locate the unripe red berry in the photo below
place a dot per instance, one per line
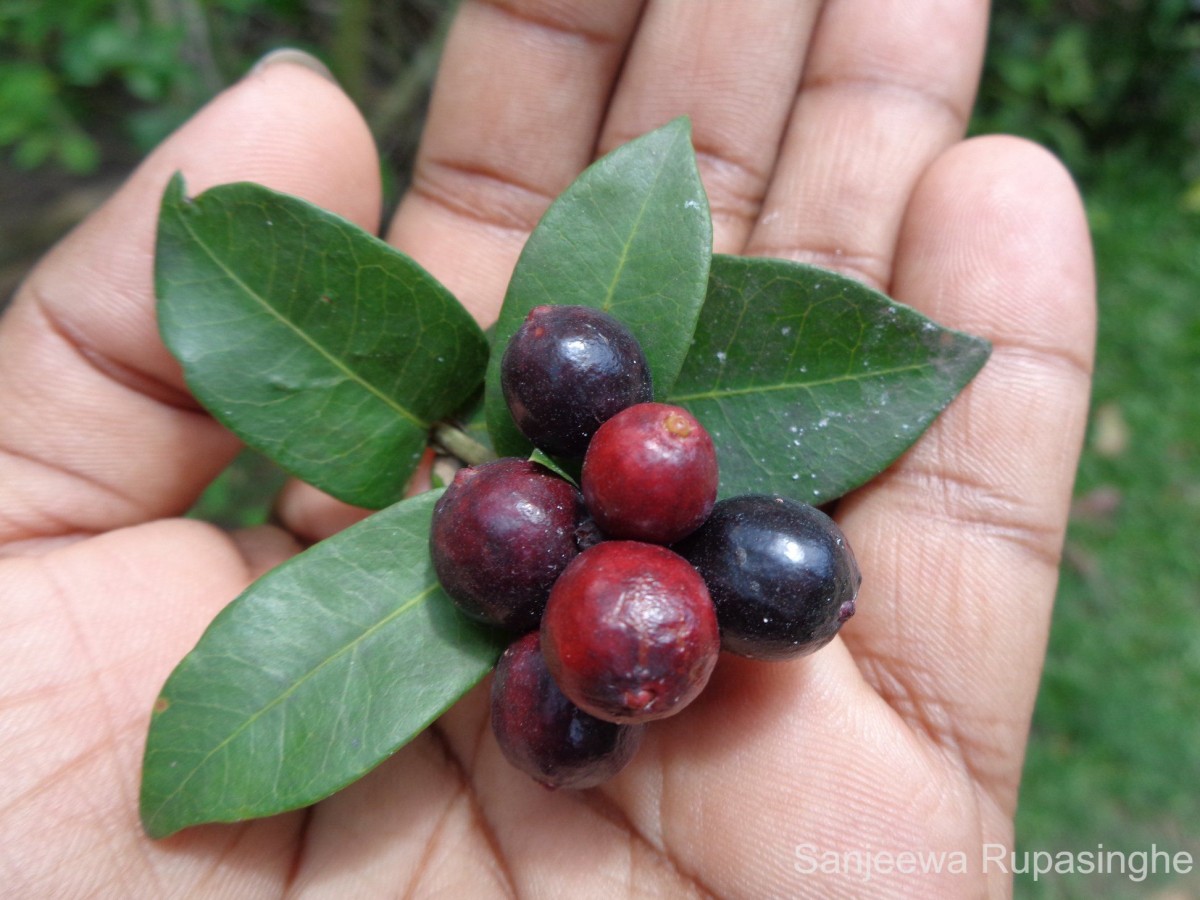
(630, 633)
(650, 474)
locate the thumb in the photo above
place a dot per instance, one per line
(99, 430)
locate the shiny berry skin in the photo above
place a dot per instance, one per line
(650, 474)
(630, 633)
(544, 734)
(500, 536)
(567, 370)
(781, 575)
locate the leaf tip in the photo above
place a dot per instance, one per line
(681, 123)
(152, 829)
(983, 347)
(974, 351)
(555, 466)
(154, 824)
(175, 193)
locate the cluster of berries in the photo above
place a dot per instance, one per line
(623, 591)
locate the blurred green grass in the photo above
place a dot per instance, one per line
(1114, 757)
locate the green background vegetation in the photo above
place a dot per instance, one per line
(1112, 86)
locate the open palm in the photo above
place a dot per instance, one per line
(829, 133)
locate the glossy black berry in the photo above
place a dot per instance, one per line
(630, 633)
(544, 734)
(566, 371)
(501, 534)
(650, 474)
(781, 575)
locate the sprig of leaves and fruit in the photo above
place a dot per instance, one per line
(344, 361)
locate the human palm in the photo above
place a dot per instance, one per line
(828, 133)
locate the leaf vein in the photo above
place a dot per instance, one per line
(351, 646)
(390, 402)
(609, 294)
(714, 394)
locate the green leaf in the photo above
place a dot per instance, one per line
(631, 236)
(317, 673)
(548, 462)
(317, 343)
(811, 383)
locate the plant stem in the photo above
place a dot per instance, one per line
(399, 102)
(461, 445)
(348, 51)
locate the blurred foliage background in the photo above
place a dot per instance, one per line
(1112, 86)
(87, 82)
(1098, 81)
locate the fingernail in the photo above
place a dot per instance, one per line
(292, 56)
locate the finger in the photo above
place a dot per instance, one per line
(520, 94)
(90, 632)
(887, 86)
(514, 118)
(959, 541)
(313, 515)
(431, 842)
(99, 430)
(710, 60)
(263, 547)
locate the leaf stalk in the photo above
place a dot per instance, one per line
(461, 445)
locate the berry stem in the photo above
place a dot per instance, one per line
(461, 445)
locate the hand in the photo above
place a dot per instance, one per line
(828, 133)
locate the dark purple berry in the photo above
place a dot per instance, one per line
(629, 633)
(781, 575)
(501, 534)
(650, 474)
(566, 371)
(544, 734)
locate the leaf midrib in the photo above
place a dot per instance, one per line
(797, 385)
(311, 673)
(636, 228)
(333, 360)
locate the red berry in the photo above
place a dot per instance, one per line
(629, 632)
(650, 474)
(500, 536)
